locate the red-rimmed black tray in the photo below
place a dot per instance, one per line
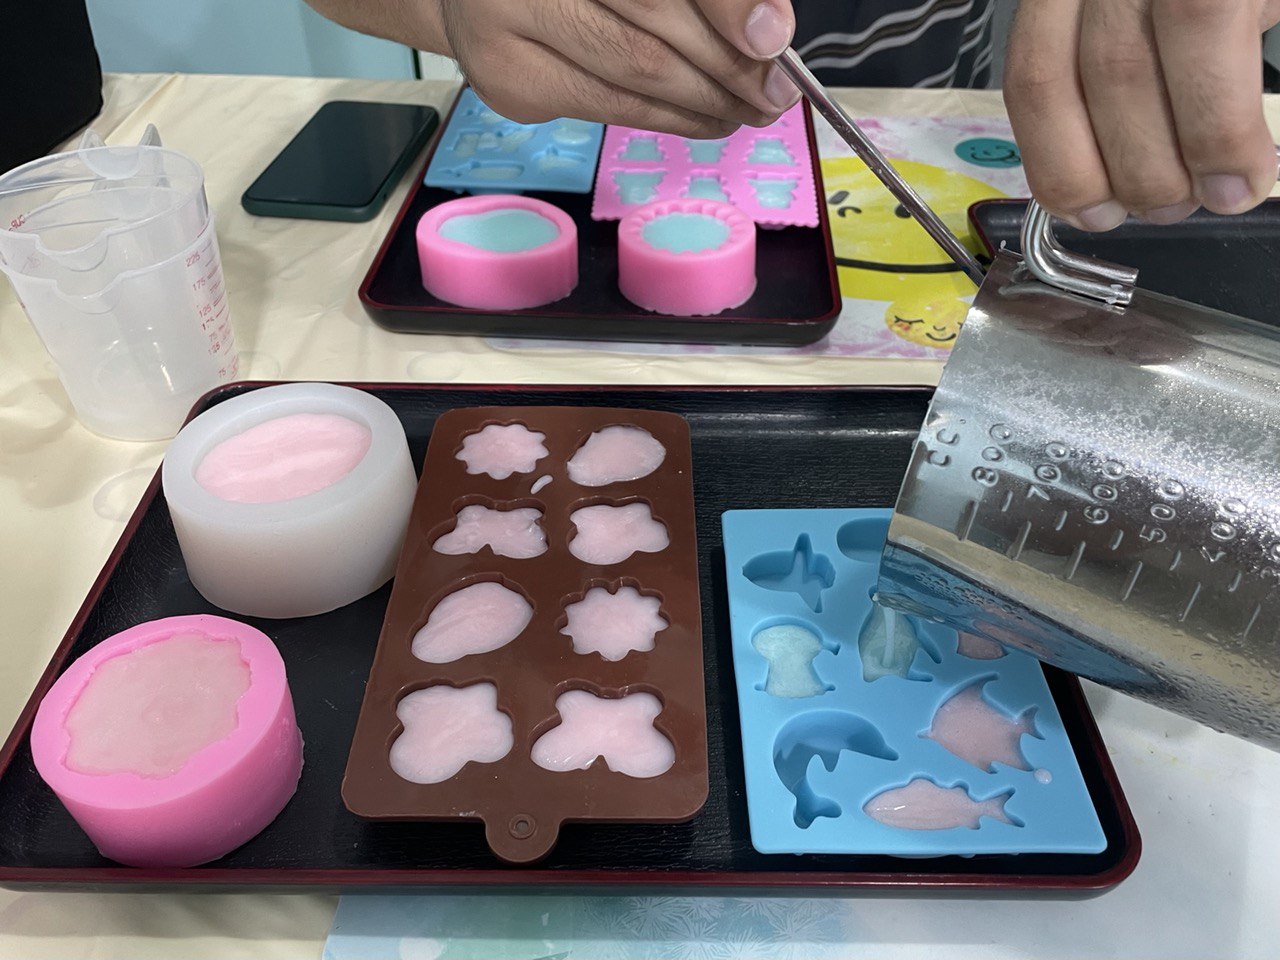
(751, 448)
(796, 302)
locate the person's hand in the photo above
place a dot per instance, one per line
(696, 68)
(1149, 107)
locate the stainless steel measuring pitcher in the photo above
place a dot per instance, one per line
(1098, 477)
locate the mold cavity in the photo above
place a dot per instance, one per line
(487, 116)
(609, 534)
(500, 231)
(773, 193)
(515, 533)
(685, 232)
(149, 711)
(799, 571)
(642, 148)
(975, 647)
(615, 454)
(620, 730)
(508, 142)
(923, 805)
(978, 733)
(706, 188)
(888, 645)
(445, 728)
(613, 623)
(541, 482)
(824, 734)
(476, 619)
(706, 151)
(500, 450)
(466, 145)
(485, 170)
(572, 133)
(790, 650)
(284, 458)
(637, 188)
(771, 150)
(553, 161)
(862, 540)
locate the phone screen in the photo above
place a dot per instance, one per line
(344, 156)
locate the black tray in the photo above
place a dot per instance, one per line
(751, 448)
(797, 299)
(1227, 263)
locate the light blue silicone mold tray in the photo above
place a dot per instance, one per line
(482, 152)
(843, 733)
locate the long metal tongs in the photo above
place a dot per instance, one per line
(1044, 256)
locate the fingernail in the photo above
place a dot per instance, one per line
(1174, 213)
(1225, 193)
(768, 31)
(1102, 217)
(779, 89)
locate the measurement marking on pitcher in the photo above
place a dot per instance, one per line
(1186, 611)
(1117, 539)
(1235, 584)
(1008, 500)
(1015, 551)
(967, 520)
(1062, 521)
(1132, 582)
(1074, 563)
(1244, 634)
(1177, 559)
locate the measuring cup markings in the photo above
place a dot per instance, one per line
(1000, 432)
(1163, 512)
(948, 437)
(1048, 473)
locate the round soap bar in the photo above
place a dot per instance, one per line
(687, 257)
(164, 766)
(303, 502)
(498, 252)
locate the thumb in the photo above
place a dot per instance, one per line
(761, 29)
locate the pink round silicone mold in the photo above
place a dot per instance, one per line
(690, 283)
(469, 276)
(222, 796)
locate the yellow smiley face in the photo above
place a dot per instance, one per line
(881, 252)
(929, 323)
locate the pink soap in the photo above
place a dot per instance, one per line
(500, 450)
(445, 728)
(607, 534)
(687, 257)
(284, 458)
(615, 454)
(978, 733)
(923, 805)
(614, 624)
(619, 730)
(498, 252)
(475, 619)
(173, 742)
(514, 533)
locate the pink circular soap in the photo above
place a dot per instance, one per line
(687, 257)
(173, 742)
(498, 252)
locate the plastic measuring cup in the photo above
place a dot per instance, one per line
(112, 253)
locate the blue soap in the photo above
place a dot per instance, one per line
(834, 707)
(685, 232)
(500, 231)
(481, 152)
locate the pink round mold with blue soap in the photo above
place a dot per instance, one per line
(687, 257)
(498, 252)
(150, 785)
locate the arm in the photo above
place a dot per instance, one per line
(697, 68)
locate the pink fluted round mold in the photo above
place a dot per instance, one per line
(687, 284)
(225, 794)
(468, 276)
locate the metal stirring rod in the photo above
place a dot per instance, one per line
(876, 162)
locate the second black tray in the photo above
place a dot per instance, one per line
(796, 302)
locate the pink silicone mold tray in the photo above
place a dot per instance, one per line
(766, 173)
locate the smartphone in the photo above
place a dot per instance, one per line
(343, 163)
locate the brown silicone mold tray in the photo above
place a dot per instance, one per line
(521, 803)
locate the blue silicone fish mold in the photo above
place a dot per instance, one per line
(482, 152)
(846, 724)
